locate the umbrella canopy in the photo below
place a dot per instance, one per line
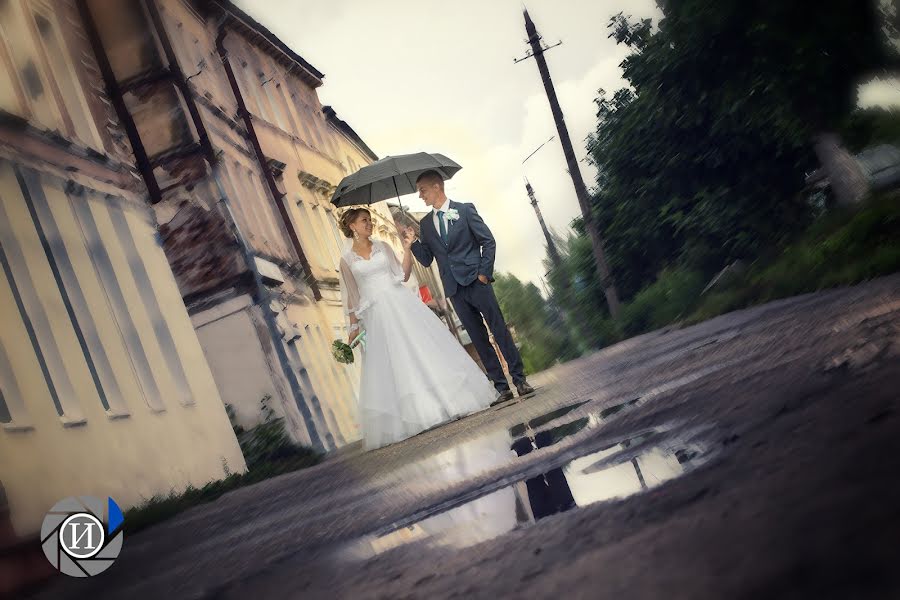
(390, 177)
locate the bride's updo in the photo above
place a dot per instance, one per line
(349, 217)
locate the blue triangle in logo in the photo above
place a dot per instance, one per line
(115, 516)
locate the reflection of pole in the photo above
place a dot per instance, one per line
(640, 476)
(584, 202)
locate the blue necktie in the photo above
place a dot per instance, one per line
(440, 215)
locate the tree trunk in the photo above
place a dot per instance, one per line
(847, 179)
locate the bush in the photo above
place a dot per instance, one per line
(267, 442)
(842, 248)
(662, 302)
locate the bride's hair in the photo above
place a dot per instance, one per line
(348, 217)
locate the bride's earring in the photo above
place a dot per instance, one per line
(355, 235)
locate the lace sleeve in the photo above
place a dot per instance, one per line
(393, 263)
(349, 293)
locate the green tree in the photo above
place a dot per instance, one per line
(542, 341)
(701, 159)
(576, 290)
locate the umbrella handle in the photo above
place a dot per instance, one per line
(399, 202)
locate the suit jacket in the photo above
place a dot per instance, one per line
(468, 253)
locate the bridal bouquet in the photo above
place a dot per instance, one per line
(343, 352)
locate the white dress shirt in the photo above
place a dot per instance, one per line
(437, 225)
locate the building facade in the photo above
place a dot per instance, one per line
(240, 160)
(104, 386)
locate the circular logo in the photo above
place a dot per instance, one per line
(82, 536)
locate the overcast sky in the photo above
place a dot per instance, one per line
(439, 76)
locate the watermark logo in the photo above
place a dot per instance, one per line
(82, 536)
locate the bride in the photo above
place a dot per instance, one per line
(415, 375)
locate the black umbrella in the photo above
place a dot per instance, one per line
(390, 177)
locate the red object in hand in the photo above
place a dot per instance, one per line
(425, 293)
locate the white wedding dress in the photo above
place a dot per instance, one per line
(415, 375)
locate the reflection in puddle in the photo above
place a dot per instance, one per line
(475, 457)
(628, 467)
(544, 419)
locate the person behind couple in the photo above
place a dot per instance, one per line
(415, 375)
(455, 235)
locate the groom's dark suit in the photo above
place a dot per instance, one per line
(468, 252)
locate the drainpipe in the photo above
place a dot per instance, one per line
(263, 300)
(261, 159)
(264, 296)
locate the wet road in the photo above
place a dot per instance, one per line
(754, 455)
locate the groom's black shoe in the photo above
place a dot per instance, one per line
(505, 396)
(524, 389)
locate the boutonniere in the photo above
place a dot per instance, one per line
(452, 214)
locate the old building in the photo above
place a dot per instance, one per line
(241, 159)
(104, 387)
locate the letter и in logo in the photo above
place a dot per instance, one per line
(82, 536)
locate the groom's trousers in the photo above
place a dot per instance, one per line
(473, 301)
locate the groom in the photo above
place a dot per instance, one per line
(454, 234)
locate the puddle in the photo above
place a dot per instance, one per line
(497, 505)
(475, 457)
(630, 466)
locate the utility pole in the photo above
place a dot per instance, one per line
(551, 245)
(606, 280)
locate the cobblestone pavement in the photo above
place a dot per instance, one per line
(755, 455)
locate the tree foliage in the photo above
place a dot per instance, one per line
(701, 159)
(542, 340)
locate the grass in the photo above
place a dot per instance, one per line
(844, 248)
(162, 507)
(662, 302)
(268, 452)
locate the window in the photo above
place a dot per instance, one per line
(251, 91)
(12, 408)
(314, 124)
(38, 80)
(10, 94)
(315, 240)
(26, 71)
(267, 77)
(268, 84)
(63, 73)
(335, 231)
(326, 225)
(30, 293)
(299, 107)
(281, 90)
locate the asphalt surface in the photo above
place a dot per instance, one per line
(756, 455)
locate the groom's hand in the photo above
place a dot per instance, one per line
(483, 279)
(409, 236)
